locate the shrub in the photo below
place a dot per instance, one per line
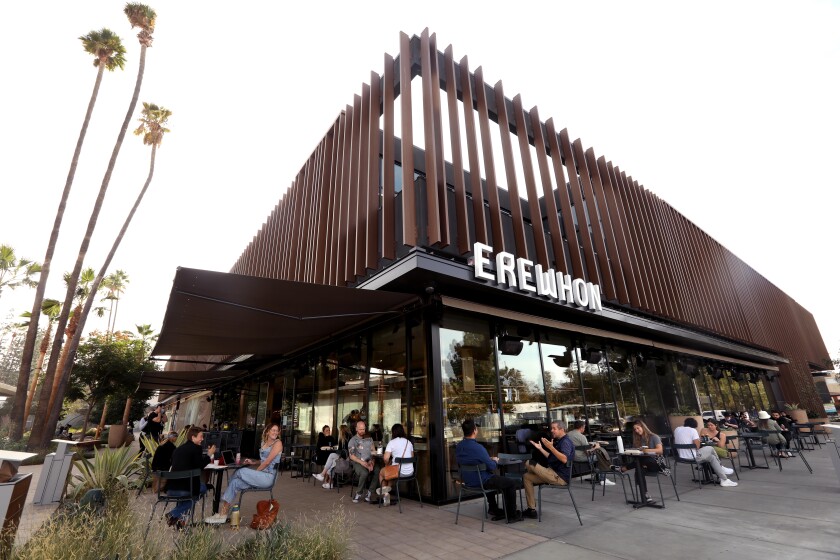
(109, 470)
(87, 535)
(298, 540)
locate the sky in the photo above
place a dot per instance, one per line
(726, 110)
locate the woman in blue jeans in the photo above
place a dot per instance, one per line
(261, 477)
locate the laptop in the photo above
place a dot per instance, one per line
(228, 457)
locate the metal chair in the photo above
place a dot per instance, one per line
(269, 489)
(406, 478)
(695, 464)
(658, 474)
(234, 441)
(164, 498)
(567, 487)
(212, 438)
(474, 490)
(147, 471)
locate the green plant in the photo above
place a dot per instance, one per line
(86, 535)
(792, 406)
(298, 540)
(685, 410)
(109, 470)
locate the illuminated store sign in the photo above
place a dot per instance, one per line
(529, 277)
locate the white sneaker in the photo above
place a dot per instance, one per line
(727, 471)
(367, 496)
(607, 482)
(381, 491)
(358, 497)
(216, 519)
(728, 482)
(327, 486)
(319, 477)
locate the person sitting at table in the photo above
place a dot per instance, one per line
(261, 477)
(786, 424)
(715, 438)
(399, 447)
(687, 434)
(326, 475)
(325, 439)
(775, 436)
(186, 457)
(360, 448)
(601, 456)
(376, 433)
(646, 440)
(560, 453)
(162, 459)
(469, 453)
(747, 425)
(730, 420)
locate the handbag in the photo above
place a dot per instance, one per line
(662, 464)
(342, 466)
(392, 472)
(266, 514)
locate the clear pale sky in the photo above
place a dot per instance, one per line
(726, 110)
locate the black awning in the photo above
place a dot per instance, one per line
(186, 381)
(217, 313)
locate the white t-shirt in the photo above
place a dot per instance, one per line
(396, 447)
(684, 435)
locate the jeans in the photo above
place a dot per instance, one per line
(181, 508)
(248, 478)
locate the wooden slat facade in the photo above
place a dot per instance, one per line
(352, 209)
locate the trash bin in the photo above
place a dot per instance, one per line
(12, 499)
(53, 480)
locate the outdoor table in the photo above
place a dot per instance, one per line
(640, 503)
(505, 462)
(217, 484)
(749, 438)
(304, 451)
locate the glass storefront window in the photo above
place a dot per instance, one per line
(327, 376)
(468, 382)
(523, 390)
(351, 361)
(561, 378)
(387, 383)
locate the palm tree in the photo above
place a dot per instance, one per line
(114, 284)
(139, 15)
(51, 308)
(147, 335)
(15, 272)
(152, 127)
(109, 54)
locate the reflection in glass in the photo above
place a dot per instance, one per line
(352, 372)
(523, 392)
(561, 378)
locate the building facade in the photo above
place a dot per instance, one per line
(494, 268)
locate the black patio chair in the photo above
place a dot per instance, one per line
(567, 487)
(697, 470)
(164, 498)
(475, 490)
(406, 478)
(269, 489)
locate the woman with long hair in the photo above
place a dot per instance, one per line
(397, 448)
(260, 477)
(326, 474)
(717, 438)
(774, 435)
(650, 444)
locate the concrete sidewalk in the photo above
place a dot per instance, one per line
(771, 514)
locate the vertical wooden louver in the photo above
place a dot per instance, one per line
(352, 208)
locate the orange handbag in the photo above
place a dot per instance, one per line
(267, 511)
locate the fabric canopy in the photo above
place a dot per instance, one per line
(186, 381)
(216, 313)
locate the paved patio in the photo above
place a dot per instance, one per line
(771, 514)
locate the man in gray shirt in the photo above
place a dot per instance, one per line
(360, 448)
(601, 455)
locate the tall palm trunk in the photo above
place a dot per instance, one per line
(42, 353)
(69, 332)
(64, 373)
(18, 418)
(48, 415)
(101, 425)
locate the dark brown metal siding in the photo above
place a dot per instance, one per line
(583, 215)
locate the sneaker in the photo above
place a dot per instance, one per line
(728, 482)
(530, 513)
(789, 454)
(356, 498)
(367, 496)
(216, 519)
(319, 477)
(648, 499)
(607, 482)
(327, 486)
(170, 520)
(727, 471)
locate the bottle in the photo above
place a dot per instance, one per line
(234, 517)
(238, 457)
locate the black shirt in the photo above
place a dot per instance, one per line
(185, 458)
(163, 456)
